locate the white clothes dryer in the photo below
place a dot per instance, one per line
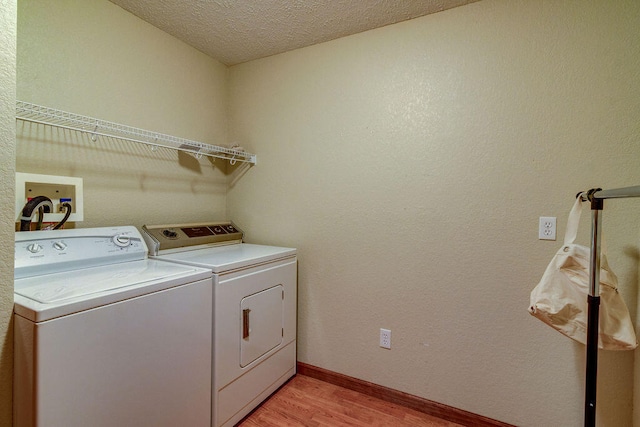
(255, 300)
(105, 336)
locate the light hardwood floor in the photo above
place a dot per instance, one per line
(309, 402)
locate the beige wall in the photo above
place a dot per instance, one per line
(410, 165)
(7, 172)
(95, 59)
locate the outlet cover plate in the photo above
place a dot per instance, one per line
(547, 228)
(385, 338)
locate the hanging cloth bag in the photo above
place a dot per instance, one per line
(560, 299)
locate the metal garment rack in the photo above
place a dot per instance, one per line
(597, 196)
(33, 113)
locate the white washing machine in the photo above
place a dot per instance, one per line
(105, 336)
(255, 300)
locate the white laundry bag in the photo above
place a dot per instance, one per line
(560, 299)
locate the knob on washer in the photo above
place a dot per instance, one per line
(59, 245)
(122, 240)
(34, 248)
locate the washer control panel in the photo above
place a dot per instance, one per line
(160, 237)
(44, 252)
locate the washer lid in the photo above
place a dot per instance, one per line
(230, 257)
(53, 295)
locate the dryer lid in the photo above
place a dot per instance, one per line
(222, 259)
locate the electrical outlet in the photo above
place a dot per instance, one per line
(385, 338)
(547, 228)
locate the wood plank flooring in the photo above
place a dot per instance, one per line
(309, 402)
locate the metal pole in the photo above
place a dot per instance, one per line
(617, 193)
(597, 196)
(593, 301)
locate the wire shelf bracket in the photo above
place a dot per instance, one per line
(33, 113)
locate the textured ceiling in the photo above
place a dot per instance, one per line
(236, 31)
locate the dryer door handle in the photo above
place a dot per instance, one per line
(245, 323)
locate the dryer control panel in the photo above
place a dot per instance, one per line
(44, 252)
(161, 237)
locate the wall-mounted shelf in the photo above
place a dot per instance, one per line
(95, 127)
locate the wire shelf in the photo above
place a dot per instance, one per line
(95, 127)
